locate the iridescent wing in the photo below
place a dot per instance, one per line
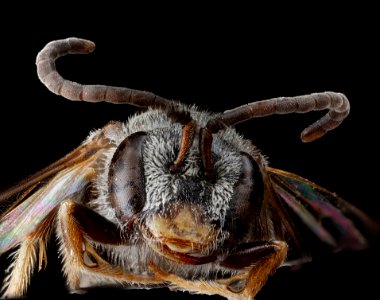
(333, 221)
(42, 192)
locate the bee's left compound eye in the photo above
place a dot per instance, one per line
(126, 182)
(246, 204)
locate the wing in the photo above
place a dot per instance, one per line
(42, 192)
(331, 220)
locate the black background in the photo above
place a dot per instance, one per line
(217, 58)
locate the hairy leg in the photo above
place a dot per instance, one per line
(79, 228)
(32, 248)
(242, 286)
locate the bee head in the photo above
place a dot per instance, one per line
(183, 204)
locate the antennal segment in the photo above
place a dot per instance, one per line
(49, 76)
(336, 103)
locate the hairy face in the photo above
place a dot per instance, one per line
(184, 210)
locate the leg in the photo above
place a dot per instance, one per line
(260, 272)
(31, 234)
(24, 260)
(242, 286)
(78, 228)
(194, 286)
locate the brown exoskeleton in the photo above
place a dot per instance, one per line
(173, 197)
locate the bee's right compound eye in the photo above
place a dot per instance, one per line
(126, 181)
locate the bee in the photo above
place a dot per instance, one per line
(174, 197)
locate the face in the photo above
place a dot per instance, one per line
(183, 215)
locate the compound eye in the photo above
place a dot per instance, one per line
(126, 181)
(246, 203)
(250, 187)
